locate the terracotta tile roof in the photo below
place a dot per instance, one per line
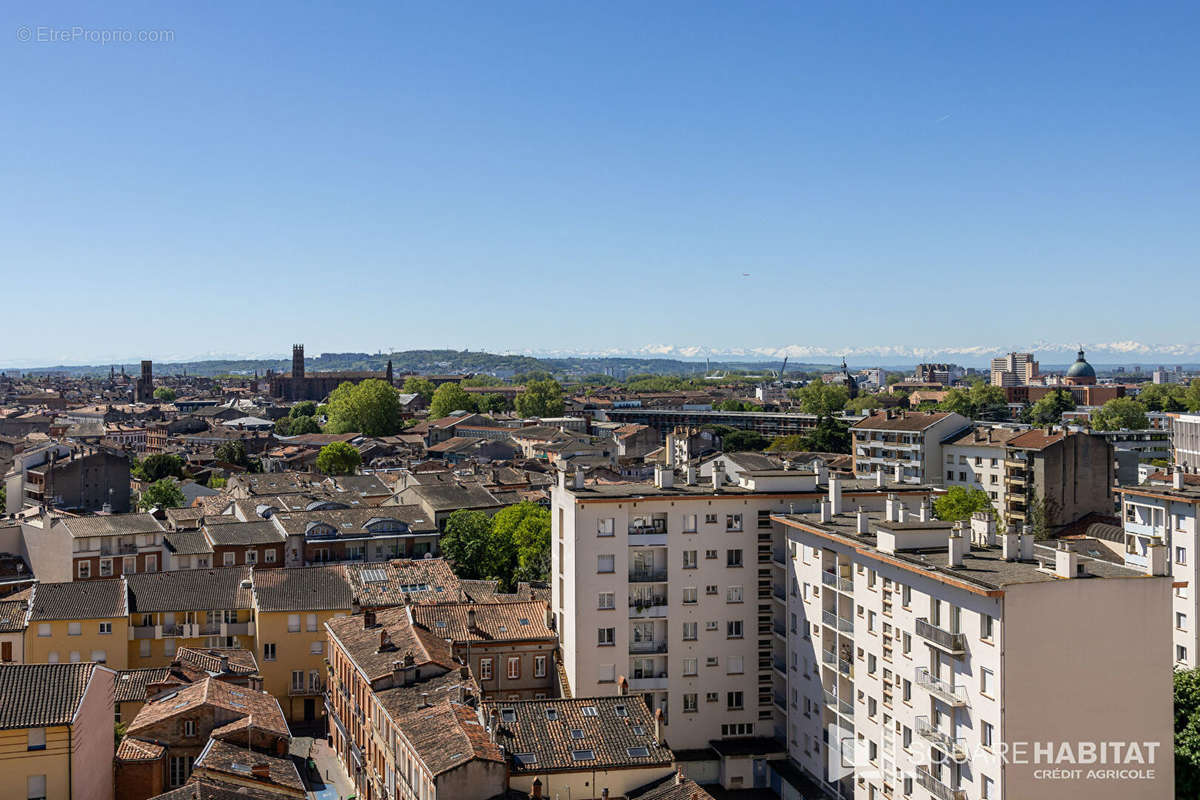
(12, 615)
(403, 580)
(579, 734)
(352, 521)
(448, 735)
(240, 702)
(210, 659)
(319, 588)
(131, 683)
(907, 421)
(41, 695)
(102, 599)
(112, 525)
(134, 749)
(243, 533)
(456, 686)
(479, 591)
(223, 758)
(494, 622)
(983, 436)
(1036, 439)
(209, 789)
(393, 636)
(672, 787)
(190, 590)
(187, 543)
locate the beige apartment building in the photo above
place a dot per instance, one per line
(926, 659)
(905, 445)
(670, 586)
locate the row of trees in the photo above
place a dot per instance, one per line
(512, 546)
(541, 398)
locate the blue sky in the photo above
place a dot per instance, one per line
(598, 177)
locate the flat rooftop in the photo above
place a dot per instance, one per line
(703, 488)
(984, 567)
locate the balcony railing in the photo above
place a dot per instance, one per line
(838, 705)
(316, 686)
(950, 693)
(647, 530)
(955, 748)
(172, 630)
(647, 602)
(779, 594)
(839, 623)
(780, 666)
(832, 580)
(647, 575)
(648, 647)
(955, 643)
(936, 787)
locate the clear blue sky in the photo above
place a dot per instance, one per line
(593, 176)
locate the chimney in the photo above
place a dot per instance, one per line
(825, 512)
(899, 476)
(835, 494)
(691, 475)
(562, 479)
(492, 723)
(664, 477)
(718, 477)
(821, 470)
(368, 619)
(224, 663)
(889, 507)
(1158, 564)
(604, 793)
(679, 776)
(261, 771)
(1066, 562)
(1177, 478)
(1009, 548)
(425, 700)
(957, 545)
(536, 794)
(409, 659)
(1027, 544)
(983, 528)
(861, 527)
(901, 513)
(658, 732)
(578, 477)
(670, 451)
(923, 511)
(385, 641)
(622, 686)
(879, 478)
(470, 619)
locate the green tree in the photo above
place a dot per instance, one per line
(787, 444)
(743, 441)
(829, 435)
(283, 426)
(338, 458)
(448, 398)
(466, 541)
(164, 394)
(216, 481)
(1041, 512)
(821, 398)
(958, 401)
(233, 452)
(987, 401)
(163, 493)
(493, 403)
(371, 407)
(1191, 397)
(421, 386)
(303, 425)
(530, 533)
(305, 408)
(959, 503)
(864, 402)
(159, 466)
(541, 399)
(1120, 413)
(1187, 733)
(1050, 408)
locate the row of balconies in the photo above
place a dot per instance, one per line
(832, 580)
(837, 623)
(954, 643)
(190, 630)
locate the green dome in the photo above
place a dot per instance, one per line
(1081, 368)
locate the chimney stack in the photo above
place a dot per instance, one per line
(861, 526)
(718, 477)
(1010, 546)
(1177, 478)
(385, 641)
(821, 470)
(879, 478)
(691, 475)
(470, 619)
(669, 451)
(658, 725)
(369, 619)
(536, 794)
(224, 663)
(261, 771)
(578, 477)
(957, 545)
(923, 511)
(1066, 562)
(901, 513)
(1158, 564)
(622, 686)
(824, 507)
(899, 473)
(1027, 544)
(889, 507)
(835, 494)
(664, 477)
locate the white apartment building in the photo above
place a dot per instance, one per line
(1185, 442)
(1014, 369)
(974, 458)
(932, 658)
(676, 586)
(1165, 516)
(907, 445)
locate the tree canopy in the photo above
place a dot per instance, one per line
(541, 399)
(828, 436)
(421, 386)
(296, 426)
(821, 398)
(527, 526)
(492, 403)
(305, 408)
(791, 443)
(338, 458)
(959, 503)
(448, 398)
(512, 546)
(733, 404)
(233, 452)
(742, 441)
(1187, 733)
(1120, 413)
(163, 493)
(158, 466)
(164, 394)
(1050, 408)
(371, 407)
(865, 402)
(980, 401)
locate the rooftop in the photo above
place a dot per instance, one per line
(494, 622)
(403, 580)
(190, 590)
(112, 525)
(103, 599)
(318, 588)
(42, 695)
(377, 648)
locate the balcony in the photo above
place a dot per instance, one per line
(648, 647)
(127, 549)
(779, 666)
(779, 557)
(779, 630)
(955, 748)
(647, 607)
(832, 580)
(648, 683)
(778, 593)
(936, 787)
(838, 705)
(237, 629)
(953, 643)
(648, 535)
(780, 701)
(171, 630)
(143, 632)
(210, 629)
(951, 694)
(647, 576)
(314, 687)
(840, 664)
(838, 623)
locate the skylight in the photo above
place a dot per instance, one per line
(620, 711)
(590, 711)
(576, 733)
(508, 715)
(583, 755)
(525, 759)
(638, 752)
(551, 714)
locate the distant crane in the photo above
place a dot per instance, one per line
(783, 368)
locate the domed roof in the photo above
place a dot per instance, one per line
(1081, 368)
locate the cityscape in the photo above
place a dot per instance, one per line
(764, 414)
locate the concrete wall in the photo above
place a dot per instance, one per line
(92, 771)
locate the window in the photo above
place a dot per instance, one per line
(1180, 653)
(606, 527)
(711, 697)
(106, 568)
(709, 589)
(690, 703)
(689, 523)
(689, 559)
(986, 624)
(74, 628)
(315, 648)
(485, 669)
(689, 666)
(35, 787)
(711, 625)
(986, 679)
(738, 729)
(733, 522)
(987, 735)
(689, 595)
(734, 665)
(733, 558)
(733, 629)
(539, 666)
(189, 727)
(293, 623)
(228, 558)
(52, 657)
(144, 648)
(85, 569)
(989, 788)
(105, 628)
(36, 739)
(606, 600)
(906, 596)
(906, 643)
(1180, 555)
(711, 554)
(269, 651)
(514, 668)
(43, 629)
(606, 637)
(606, 563)
(269, 555)
(310, 622)
(99, 656)
(733, 701)
(75, 658)
(180, 769)
(690, 631)
(251, 556)
(733, 594)
(710, 519)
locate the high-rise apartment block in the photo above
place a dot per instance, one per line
(1014, 369)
